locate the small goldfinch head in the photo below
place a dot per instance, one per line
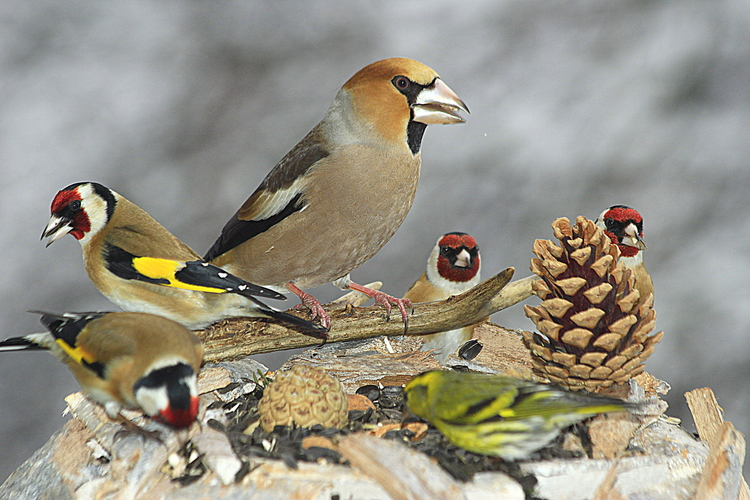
(169, 393)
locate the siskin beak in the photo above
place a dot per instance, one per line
(439, 104)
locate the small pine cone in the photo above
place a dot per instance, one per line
(593, 333)
(304, 396)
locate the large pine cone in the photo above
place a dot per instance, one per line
(304, 396)
(593, 334)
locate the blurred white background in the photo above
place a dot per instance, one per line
(183, 107)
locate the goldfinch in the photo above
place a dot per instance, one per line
(498, 415)
(452, 268)
(624, 226)
(140, 266)
(340, 194)
(121, 359)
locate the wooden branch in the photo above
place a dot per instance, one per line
(240, 337)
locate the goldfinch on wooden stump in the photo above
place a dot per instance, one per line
(452, 268)
(121, 359)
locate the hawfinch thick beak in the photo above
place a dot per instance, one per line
(463, 259)
(438, 104)
(57, 227)
(634, 239)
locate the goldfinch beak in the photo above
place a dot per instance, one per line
(463, 259)
(634, 239)
(57, 227)
(438, 104)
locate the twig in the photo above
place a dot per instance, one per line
(240, 337)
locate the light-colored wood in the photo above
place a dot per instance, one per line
(607, 490)
(240, 337)
(403, 473)
(707, 413)
(722, 438)
(716, 481)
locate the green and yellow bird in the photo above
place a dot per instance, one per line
(499, 415)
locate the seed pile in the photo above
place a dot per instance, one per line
(389, 419)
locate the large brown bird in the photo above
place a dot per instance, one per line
(340, 194)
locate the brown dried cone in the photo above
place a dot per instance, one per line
(304, 396)
(592, 333)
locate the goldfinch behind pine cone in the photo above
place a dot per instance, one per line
(624, 226)
(452, 269)
(140, 266)
(497, 415)
(340, 194)
(135, 360)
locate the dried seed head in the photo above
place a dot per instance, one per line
(304, 396)
(591, 335)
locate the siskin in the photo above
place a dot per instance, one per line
(498, 415)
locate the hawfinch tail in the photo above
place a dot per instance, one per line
(624, 226)
(340, 194)
(133, 360)
(452, 269)
(140, 266)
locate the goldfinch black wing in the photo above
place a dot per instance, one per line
(66, 329)
(194, 275)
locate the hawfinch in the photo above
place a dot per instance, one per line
(123, 359)
(452, 269)
(624, 226)
(140, 266)
(340, 194)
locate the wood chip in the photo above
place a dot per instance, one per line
(359, 402)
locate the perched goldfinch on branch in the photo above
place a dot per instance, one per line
(497, 415)
(133, 360)
(140, 266)
(340, 194)
(452, 268)
(624, 226)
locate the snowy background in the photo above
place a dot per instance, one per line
(184, 106)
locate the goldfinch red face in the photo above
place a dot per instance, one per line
(169, 393)
(81, 210)
(624, 226)
(458, 257)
